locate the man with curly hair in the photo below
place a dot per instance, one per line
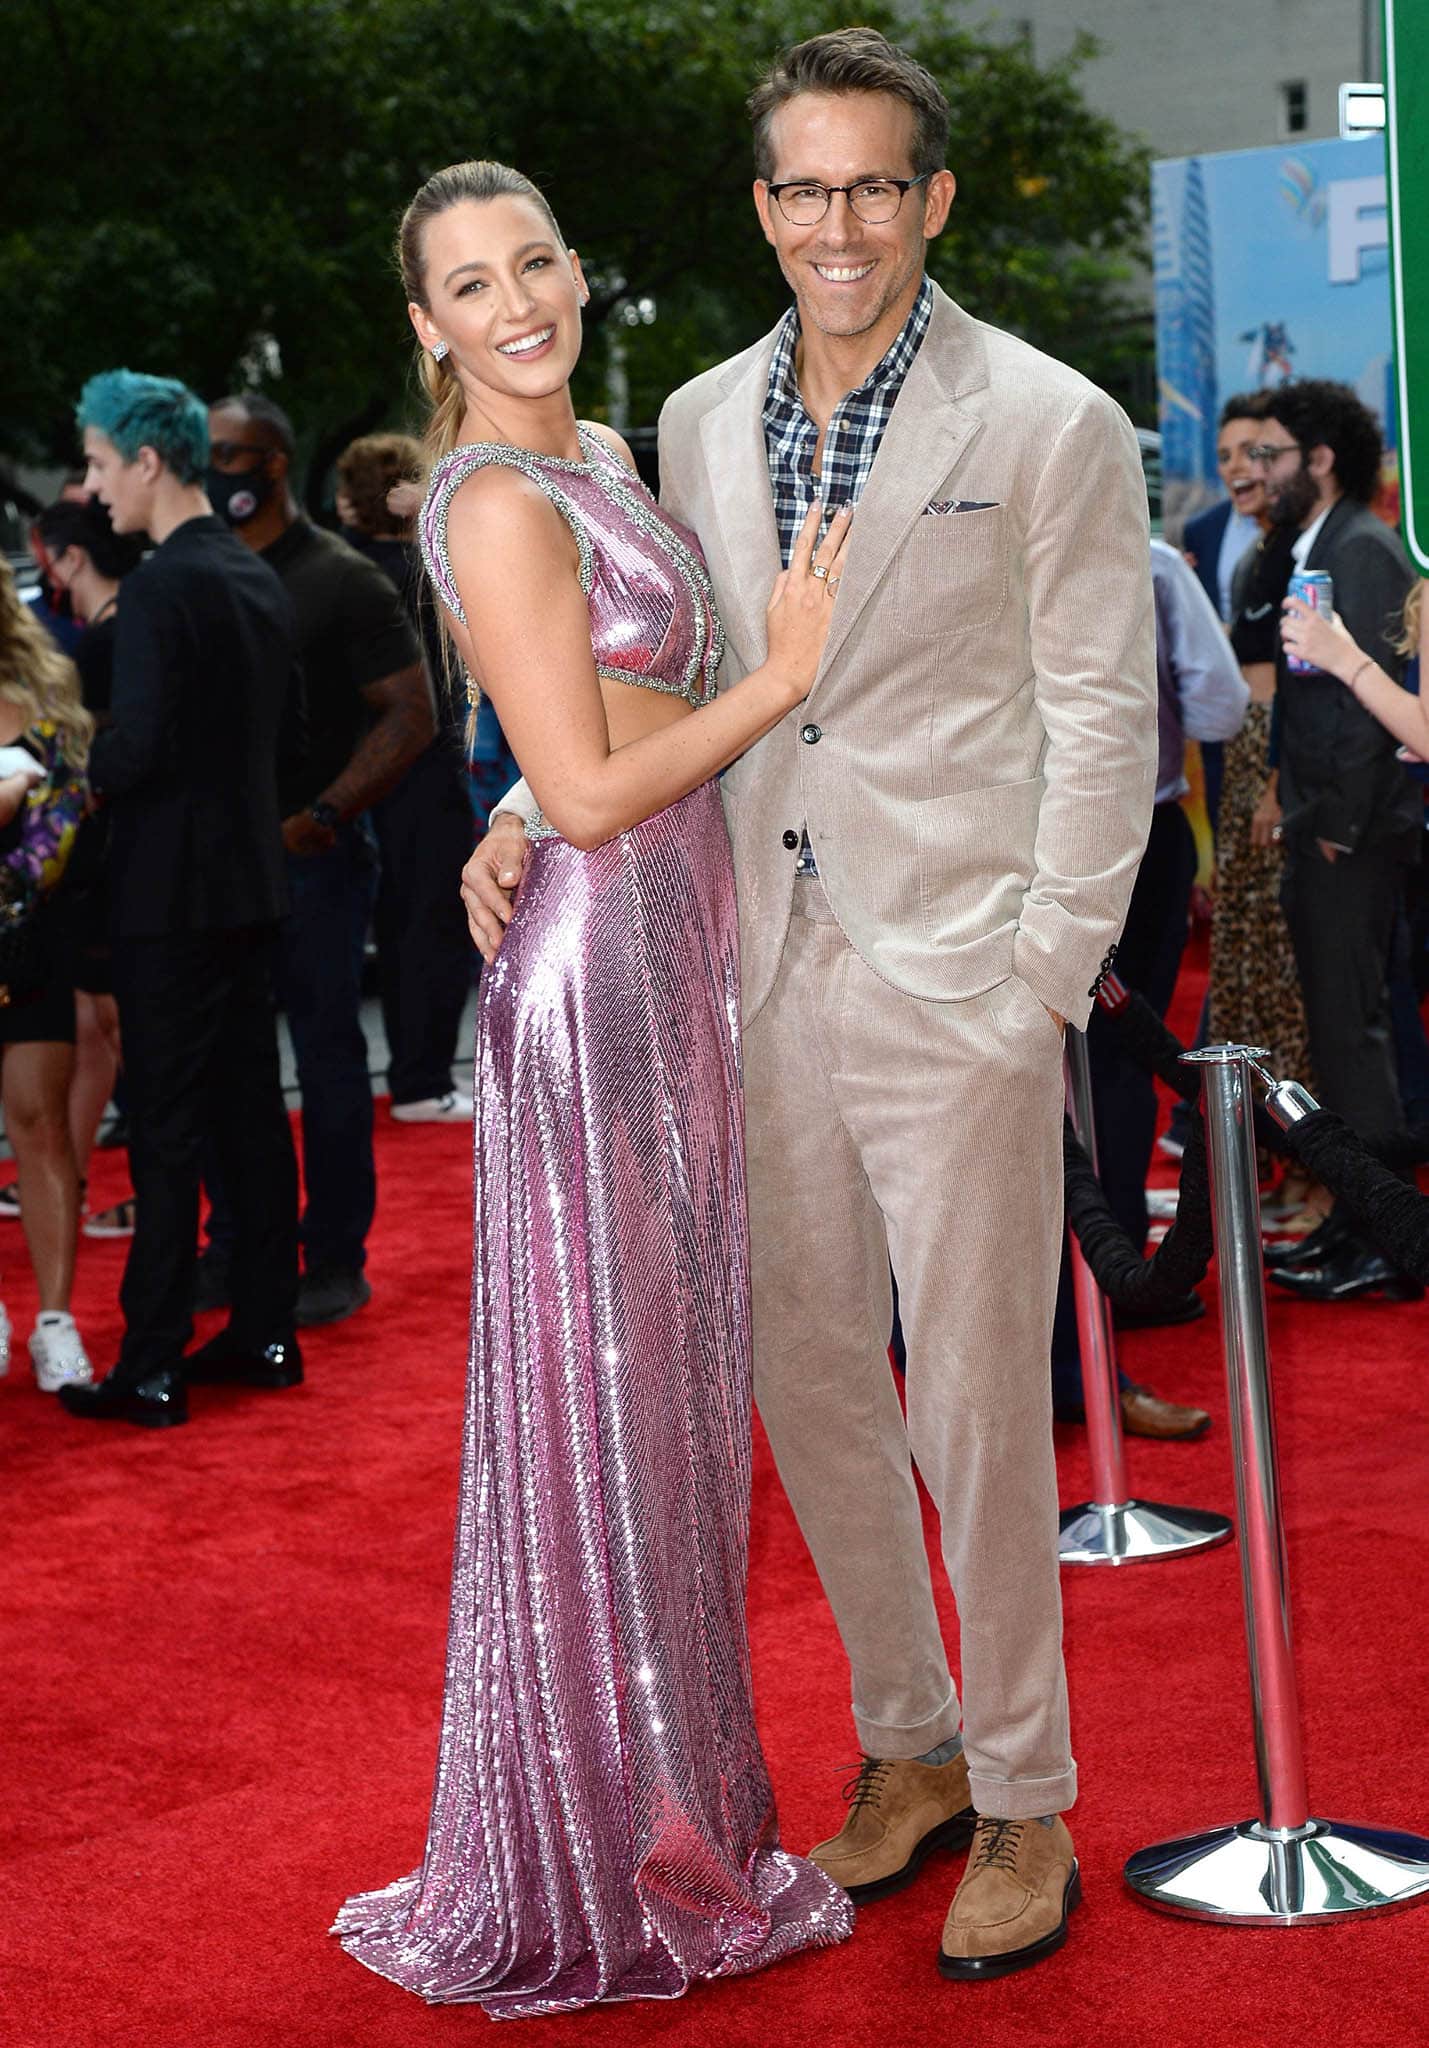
(1351, 815)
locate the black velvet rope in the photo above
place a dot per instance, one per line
(1149, 1040)
(1127, 1279)
(1393, 1214)
(1153, 1045)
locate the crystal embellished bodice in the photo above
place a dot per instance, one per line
(652, 616)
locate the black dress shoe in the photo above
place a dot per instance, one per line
(1312, 1249)
(1346, 1274)
(155, 1402)
(330, 1297)
(222, 1361)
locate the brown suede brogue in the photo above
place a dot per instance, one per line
(1011, 1908)
(899, 1812)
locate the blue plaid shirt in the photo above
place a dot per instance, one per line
(853, 439)
(855, 432)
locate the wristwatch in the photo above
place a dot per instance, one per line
(325, 815)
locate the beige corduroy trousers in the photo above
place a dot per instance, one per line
(881, 1128)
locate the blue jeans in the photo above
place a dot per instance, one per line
(320, 986)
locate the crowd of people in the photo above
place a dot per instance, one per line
(1317, 940)
(1315, 802)
(180, 862)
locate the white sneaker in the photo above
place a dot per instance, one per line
(4, 1340)
(57, 1354)
(450, 1108)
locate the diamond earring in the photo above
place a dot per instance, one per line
(439, 350)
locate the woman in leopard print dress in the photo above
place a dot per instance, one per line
(1254, 987)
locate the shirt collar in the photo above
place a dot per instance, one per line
(1303, 543)
(892, 367)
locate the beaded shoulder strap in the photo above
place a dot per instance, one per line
(447, 479)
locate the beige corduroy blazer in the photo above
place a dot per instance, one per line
(976, 761)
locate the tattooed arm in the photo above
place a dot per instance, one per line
(404, 727)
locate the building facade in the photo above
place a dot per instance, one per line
(1192, 76)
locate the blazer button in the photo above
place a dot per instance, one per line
(811, 734)
(791, 840)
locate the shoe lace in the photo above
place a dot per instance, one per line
(863, 1787)
(998, 1842)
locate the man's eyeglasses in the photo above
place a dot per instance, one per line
(1267, 451)
(872, 199)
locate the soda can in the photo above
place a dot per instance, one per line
(1314, 588)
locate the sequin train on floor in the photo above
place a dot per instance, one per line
(603, 1825)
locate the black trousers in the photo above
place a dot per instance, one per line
(1341, 916)
(1123, 1093)
(426, 959)
(200, 1047)
(1148, 960)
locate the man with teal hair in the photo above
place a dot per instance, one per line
(134, 412)
(203, 663)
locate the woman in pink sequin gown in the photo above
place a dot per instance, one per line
(602, 1825)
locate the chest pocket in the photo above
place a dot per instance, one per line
(950, 575)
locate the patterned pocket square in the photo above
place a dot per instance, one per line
(945, 505)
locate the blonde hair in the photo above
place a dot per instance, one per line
(1411, 625)
(35, 675)
(480, 180)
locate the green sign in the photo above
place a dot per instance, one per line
(1406, 85)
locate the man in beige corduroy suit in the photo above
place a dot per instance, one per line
(934, 856)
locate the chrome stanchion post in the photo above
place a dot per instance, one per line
(1111, 1528)
(1285, 1867)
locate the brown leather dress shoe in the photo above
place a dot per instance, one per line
(1146, 1414)
(1011, 1908)
(900, 1811)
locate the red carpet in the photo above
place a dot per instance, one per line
(224, 1657)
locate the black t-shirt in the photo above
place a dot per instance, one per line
(401, 562)
(1259, 593)
(352, 630)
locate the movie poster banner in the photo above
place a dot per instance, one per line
(1270, 264)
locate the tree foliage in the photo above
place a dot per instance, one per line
(210, 188)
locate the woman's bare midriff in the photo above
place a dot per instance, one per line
(632, 712)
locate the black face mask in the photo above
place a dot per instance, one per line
(238, 496)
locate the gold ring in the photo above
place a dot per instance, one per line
(818, 569)
(833, 584)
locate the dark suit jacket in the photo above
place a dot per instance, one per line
(1339, 779)
(203, 666)
(1202, 537)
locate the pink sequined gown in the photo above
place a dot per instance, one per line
(602, 1825)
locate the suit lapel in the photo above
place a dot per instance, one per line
(926, 435)
(745, 541)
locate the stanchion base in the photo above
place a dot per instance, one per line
(1256, 1876)
(1136, 1530)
